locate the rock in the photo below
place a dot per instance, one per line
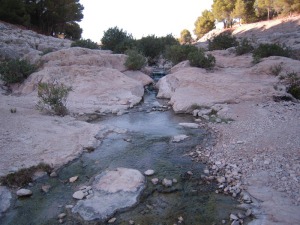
(155, 181)
(233, 217)
(24, 192)
(189, 125)
(174, 180)
(149, 172)
(112, 220)
(53, 174)
(62, 215)
(179, 138)
(113, 190)
(5, 198)
(167, 183)
(221, 180)
(73, 179)
(248, 212)
(139, 76)
(78, 195)
(131, 222)
(46, 188)
(235, 222)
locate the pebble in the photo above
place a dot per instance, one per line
(53, 174)
(131, 222)
(233, 217)
(46, 188)
(73, 179)
(155, 181)
(167, 183)
(149, 172)
(62, 215)
(24, 192)
(69, 206)
(112, 220)
(189, 173)
(248, 212)
(78, 195)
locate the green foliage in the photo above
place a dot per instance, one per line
(117, 40)
(199, 59)
(222, 42)
(16, 70)
(24, 176)
(53, 97)
(85, 43)
(49, 17)
(222, 11)
(179, 53)
(266, 50)
(153, 47)
(135, 60)
(204, 24)
(293, 84)
(244, 46)
(185, 37)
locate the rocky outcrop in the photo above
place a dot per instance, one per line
(16, 43)
(112, 190)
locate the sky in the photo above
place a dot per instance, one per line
(140, 17)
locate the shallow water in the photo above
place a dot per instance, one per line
(146, 144)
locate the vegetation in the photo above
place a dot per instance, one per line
(204, 24)
(244, 46)
(85, 43)
(266, 50)
(23, 176)
(199, 59)
(179, 53)
(16, 70)
(117, 40)
(135, 60)
(293, 84)
(222, 11)
(185, 37)
(222, 41)
(49, 17)
(275, 70)
(53, 98)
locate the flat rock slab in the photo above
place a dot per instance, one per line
(5, 197)
(113, 190)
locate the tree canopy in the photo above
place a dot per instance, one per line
(50, 17)
(204, 23)
(185, 37)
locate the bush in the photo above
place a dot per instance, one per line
(117, 40)
(293, 84)
(266, 50)
(222, 42)
(15, 71)
(53, 98)
(135, 60)
(179, 53)
(244, 46)
(276, 69)
(85, 44)
(199, 59)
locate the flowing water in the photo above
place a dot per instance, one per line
(140, 140)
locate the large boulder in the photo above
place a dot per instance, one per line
(112, 190)
(194, 87)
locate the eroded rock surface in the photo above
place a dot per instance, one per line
(112, 190)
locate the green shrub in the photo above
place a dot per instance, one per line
(293, 84)
(53, 97)
(16, 70)
(244, 46)
(179, 53)
(135, 60)
(199, 59)
(266, 50)
(222, 42)
(85, 43)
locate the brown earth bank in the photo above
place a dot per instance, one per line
(258, 136)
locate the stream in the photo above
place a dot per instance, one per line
(140, 139)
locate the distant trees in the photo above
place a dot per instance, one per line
(50, 17)
(222, 11)
(185, 37)
(204, 24)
